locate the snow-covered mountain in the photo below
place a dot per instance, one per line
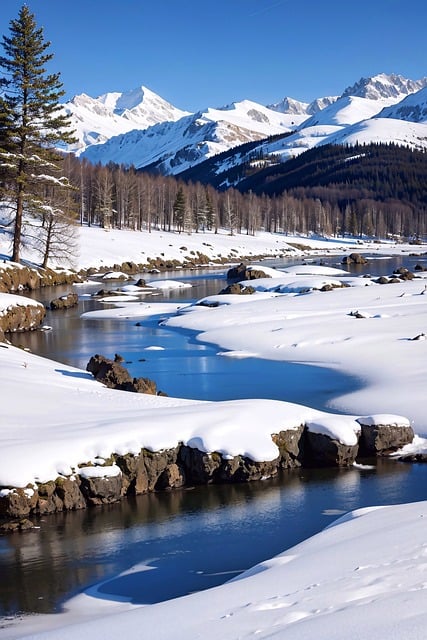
(141, 129)
(413, 108)
(381, 86)
(173, 147)
(292, 106)
(96, 120)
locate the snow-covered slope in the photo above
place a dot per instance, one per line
(95, 120)
(412, 108)
(381, 109)
(176, 146)
(292, 106)
(381, 86)
(139, 128)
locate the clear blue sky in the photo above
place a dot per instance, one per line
(200, 54)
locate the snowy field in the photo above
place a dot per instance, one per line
(367, 572)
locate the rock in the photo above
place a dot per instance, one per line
(354, 258)
(243, 469)
(382, 280)
(101, 490)
(290, 444)
(149, 471)
(24, 524)
(237, 289)
(242, 272)
(172, 477)
(199, 467)
(156, 466)
(323, 451)
(69, 493)
(65, 302)
(382, 439)
(134, 471)
(115, 376)
(404, 274)
(15, 504)
(22, 317)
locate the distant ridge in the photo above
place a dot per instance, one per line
(139, 128)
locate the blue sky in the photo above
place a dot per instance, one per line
(198, 54)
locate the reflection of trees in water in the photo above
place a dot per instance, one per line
(244, 523)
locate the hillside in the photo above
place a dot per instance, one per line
(139, 129)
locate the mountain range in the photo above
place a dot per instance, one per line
(139, 128)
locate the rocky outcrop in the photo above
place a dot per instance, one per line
(237, 289)
(383, 439)
(291, 447)
(404, 274)
(21, 317)
(323, 451)
(15, 277)
(354, 258)
(147, 471)
(65, 302)
(243, 272)
(115, 376)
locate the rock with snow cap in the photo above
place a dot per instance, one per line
(383, 433)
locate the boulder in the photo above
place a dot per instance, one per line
(148, 471)
(115, 376)
(172, 477)
(243, 469)
(101, 490)
(404, 274)
(381, 439)
(65, 302)
(324, 451)
(237, 289)
(200, 467)
(354, 258)
(290, 445)
(22, 317)
(242, 272)
(15, 503)
(69, 493)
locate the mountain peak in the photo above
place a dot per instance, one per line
(290, 105)
(384, 86)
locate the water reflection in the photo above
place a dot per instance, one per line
(204, 534)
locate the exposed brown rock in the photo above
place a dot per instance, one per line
(379, 440)
(115, 376)
(323, 451)
(242, 272)
(22, 317)
(65, 302)
(354, 258)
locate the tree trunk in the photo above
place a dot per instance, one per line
(18, 225)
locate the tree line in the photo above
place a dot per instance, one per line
(45, 193)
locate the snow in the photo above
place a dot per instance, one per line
(139, 128)
(101, 471)
(364, 573)
(342, 428)
(170, 284)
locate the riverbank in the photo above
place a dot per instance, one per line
(68, 418)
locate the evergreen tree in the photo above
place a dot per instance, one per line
(32, 126)
(180, 210)
(209, 211)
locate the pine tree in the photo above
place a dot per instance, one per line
(180, 210)
(32, 126)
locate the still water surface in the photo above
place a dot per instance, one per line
(195, 538)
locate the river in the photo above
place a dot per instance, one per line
(194, 538)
